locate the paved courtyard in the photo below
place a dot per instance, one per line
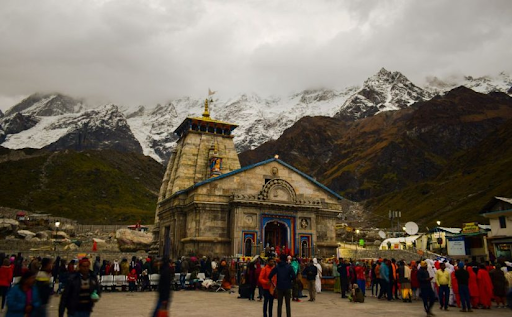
(200, 303)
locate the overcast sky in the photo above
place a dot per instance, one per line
(147, 51)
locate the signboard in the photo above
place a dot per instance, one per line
(361, 242)
(456, 246)
(470, 227)
(339, 226)
(349, 229)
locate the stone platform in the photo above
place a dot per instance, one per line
(201, 303)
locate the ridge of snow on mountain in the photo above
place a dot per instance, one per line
(259, 119)
(383, 91)
(56, 121)
(484, 84)
(47, 105)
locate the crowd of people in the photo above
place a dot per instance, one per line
(27, 284)
(466, 285)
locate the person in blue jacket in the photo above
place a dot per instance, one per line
(23, 299)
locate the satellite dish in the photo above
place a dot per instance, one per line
(382, 234)
(411, 228)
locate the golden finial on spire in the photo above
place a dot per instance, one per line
(206, 113)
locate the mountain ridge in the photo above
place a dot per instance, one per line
(259, 119)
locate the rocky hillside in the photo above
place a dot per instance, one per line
(382, 155)
(103, 187)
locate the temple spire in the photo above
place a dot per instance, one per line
(206, 113)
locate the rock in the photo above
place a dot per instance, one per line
(42, 235)
(69, 229)
(132, 241)
(10, 238)
(71, 247)
(61, 235)
(35, 239)
(8, 226)
(25, 234)
(377, 242)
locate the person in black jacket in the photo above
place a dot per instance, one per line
(462, 277)
(310, 273)
(285, 276)
(342, 270)
(81, 291)
(43, 285)
(427, 294)
(164, 287)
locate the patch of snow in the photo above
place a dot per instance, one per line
(38, 136)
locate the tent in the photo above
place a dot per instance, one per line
(398, 243)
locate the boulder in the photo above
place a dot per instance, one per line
(61, 235)
(69, 229)
(42, 235)
(71, 247)
(8, 227)
(25, 234)
(132, 241)
(35, 239)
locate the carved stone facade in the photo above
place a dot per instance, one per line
(240, 210)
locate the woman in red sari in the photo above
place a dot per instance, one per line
(455, 286)
(484, 287)
(473, 288)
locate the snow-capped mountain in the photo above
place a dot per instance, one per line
(101, 128)
(485, 84)
(59, 122)
(383, 91)
(46, 105)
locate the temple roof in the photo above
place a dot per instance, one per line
(210, 180)
(205, 120)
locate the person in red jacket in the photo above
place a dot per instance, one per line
(132, 278)
(5, 279)
(455, 286)
(268, 287)
(361, 278)
(484, 287)
(473, 287)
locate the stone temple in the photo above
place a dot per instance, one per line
(209, 205)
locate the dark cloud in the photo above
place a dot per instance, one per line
(147, 51)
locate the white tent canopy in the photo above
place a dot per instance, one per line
(398, 241)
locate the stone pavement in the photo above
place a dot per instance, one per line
(201, 303)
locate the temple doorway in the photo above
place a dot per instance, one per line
(276, 234)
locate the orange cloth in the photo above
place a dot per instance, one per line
(263, 279)
(393, 265)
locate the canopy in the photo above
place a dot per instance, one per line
(401, 240)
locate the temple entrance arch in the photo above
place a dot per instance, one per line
(278, 230)
(248, 247)
(276, 233)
